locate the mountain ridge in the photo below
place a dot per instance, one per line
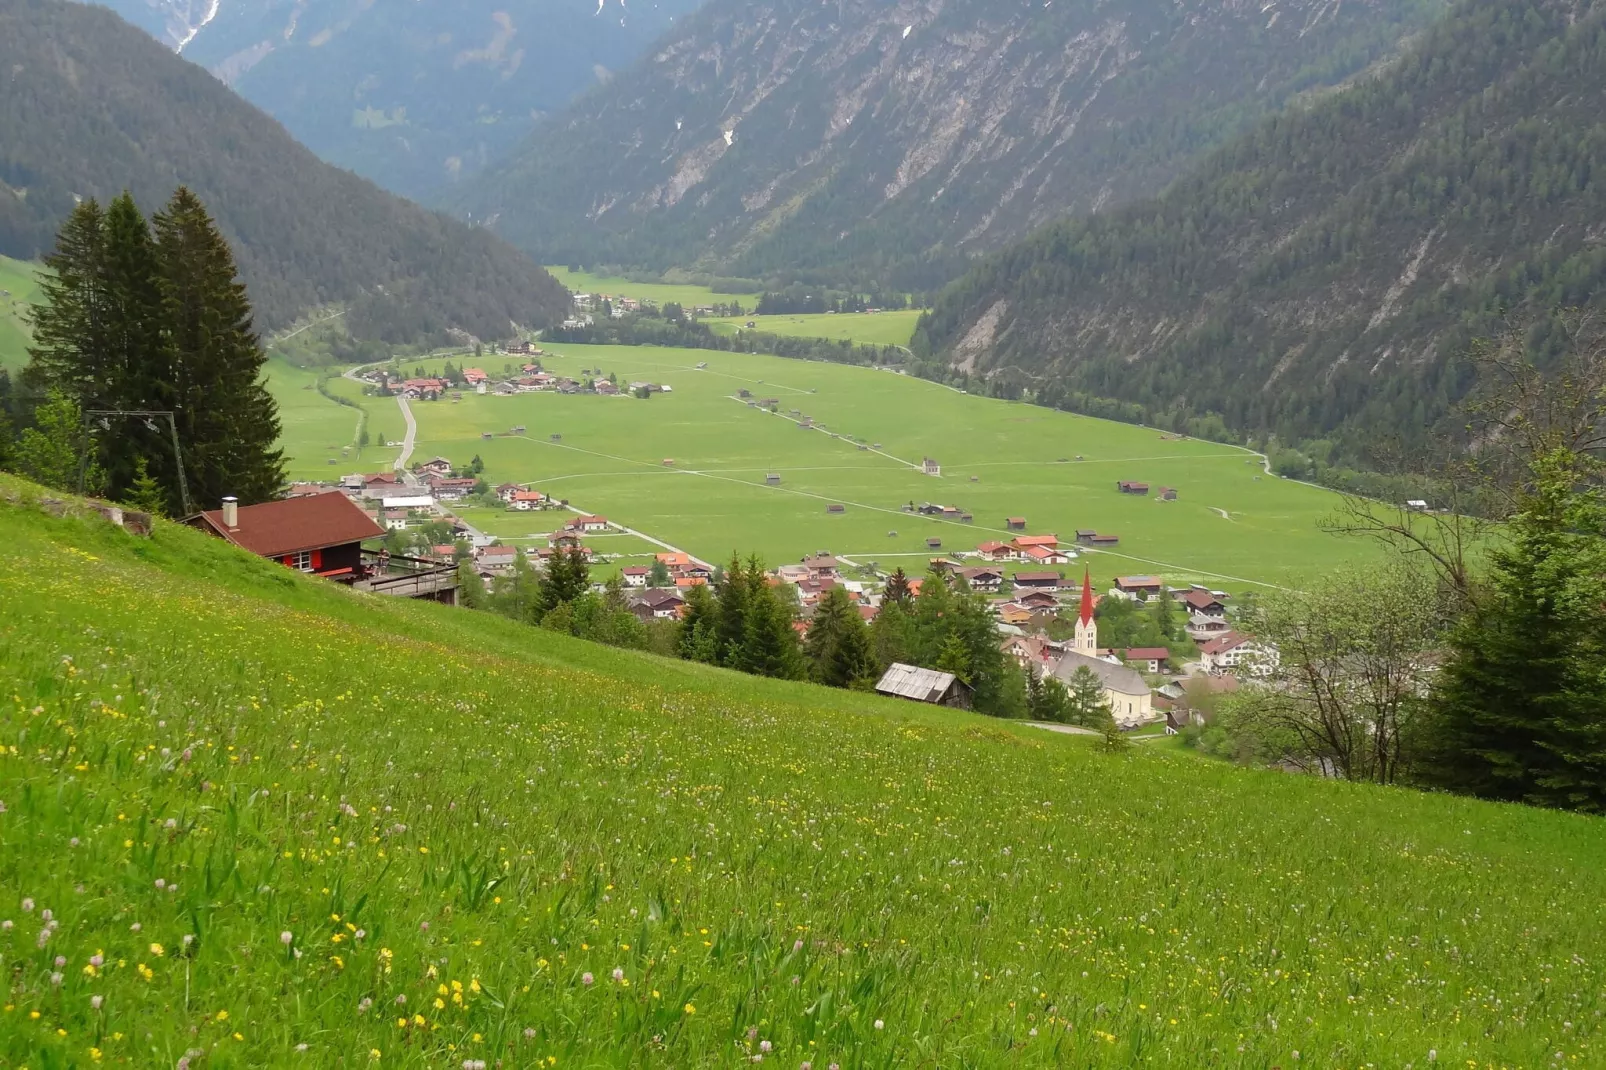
(889, 141)
(94, 106)
(1319, 277)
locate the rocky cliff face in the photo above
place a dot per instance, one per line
(1320, 277)
(904, 136)
(414, 94)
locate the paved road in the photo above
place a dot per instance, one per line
(409, 438)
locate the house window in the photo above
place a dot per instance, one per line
(301, 562)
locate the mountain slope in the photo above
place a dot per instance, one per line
(410, 93)
(92, 105)
(897, 139)
(1318, 276)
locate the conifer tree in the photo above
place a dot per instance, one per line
(1165, 614)
(838, 644)
(228, 422)
(1085, 702)
(139, 354)
(471, 593)
(954, 658)
(144, 493)
(1520, 712)
(699, 627)
(71, 351)
(769, 642)
(897, 589)
(733, 606)
(892, 634)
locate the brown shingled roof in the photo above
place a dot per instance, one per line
(274, 529)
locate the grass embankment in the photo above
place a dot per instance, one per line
(19, 288)
(714, 498)
(253, 812)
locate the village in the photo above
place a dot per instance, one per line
(400, 533)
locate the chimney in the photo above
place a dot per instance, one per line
(231, 513)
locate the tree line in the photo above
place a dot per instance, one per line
(141, 318)
(656, 327)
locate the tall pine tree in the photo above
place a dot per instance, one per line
(838, 643)
(228, 422)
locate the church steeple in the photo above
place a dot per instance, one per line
(1087, 629)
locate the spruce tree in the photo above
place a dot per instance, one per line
(139, 355)
(1519, 711)
(954, 658)
(699, 627)
(733, 605)
(228, 422)
(897, 589)
(144, 493)
(1085, 702)
(769, 640)
(838, 644)
(71, 352)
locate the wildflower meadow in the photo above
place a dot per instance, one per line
(248, 819)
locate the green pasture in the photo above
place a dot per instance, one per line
(252, 819)
(662, 292)
(881, 328)
(712, 498)
(316, 430)
(19, 288)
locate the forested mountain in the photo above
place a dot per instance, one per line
(93, 105)
(887, 142)
(1320, 276)
(410, 93)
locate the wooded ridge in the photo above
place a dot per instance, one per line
(1319, 277)
(93, 106)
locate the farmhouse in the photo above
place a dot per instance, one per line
(437, 466)
(983, 580)
(1022, 543)
(635, 575)
(1231, 651)
(505, 491)
(1149, 659)
(588, 524)
(1043, 555)
(821, 565)
(1137, 588)
(319, 533)
(1203, 601)
(446, 489)
(995, 551)
(924, 685)
(1038, 581)
(657, 603)
(1128, 486)
(1202, 628)
(525, 500)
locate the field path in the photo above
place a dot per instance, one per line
(409, 438)
(867, 449)
(647, 538)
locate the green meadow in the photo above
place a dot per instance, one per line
(880, 328)
(254, 820)
(19, 288)
(1232, 525)
(316, 431)
(662, 292)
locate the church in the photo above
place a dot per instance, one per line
(1125, 691)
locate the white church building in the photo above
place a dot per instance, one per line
(1125, 691)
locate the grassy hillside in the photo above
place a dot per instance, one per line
(267, 822)
(315, 430)
(1022, 457)
(17, 290)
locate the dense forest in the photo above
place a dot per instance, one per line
(861, 144)
(1320, 278)
(93, 106)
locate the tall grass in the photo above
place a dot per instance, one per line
(251, 820)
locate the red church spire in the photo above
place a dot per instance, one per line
(1086, 616)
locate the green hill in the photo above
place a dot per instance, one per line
(252, 820)
(94, 106)
(1318, 276)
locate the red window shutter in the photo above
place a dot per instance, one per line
(317, 560)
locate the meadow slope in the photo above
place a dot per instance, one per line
(258, 821)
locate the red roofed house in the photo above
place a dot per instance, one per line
(1021, 543)
(588, 523)
(437, 466)
(317, 533)
(1234, 651)
(1200, 600)
(635, 575)
(1043, 555)
(474, 376)
(995, 551)
(525, 500)
(1150, 659)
